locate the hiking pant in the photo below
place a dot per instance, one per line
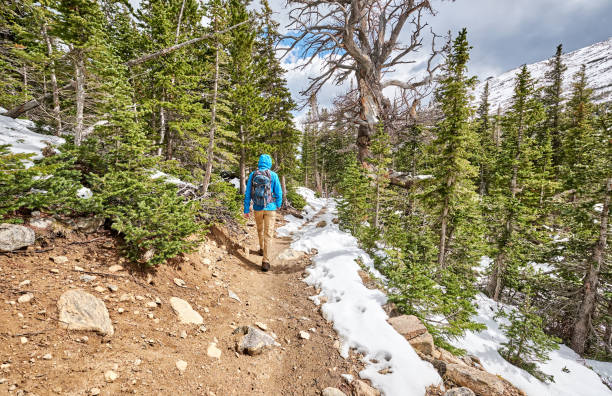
(265, 231)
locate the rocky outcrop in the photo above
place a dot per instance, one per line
(79, 310)
(13, 237)
(465, 375)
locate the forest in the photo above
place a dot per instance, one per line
(450, 196)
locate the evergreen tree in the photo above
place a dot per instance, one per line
(486, 148)
(552, 100)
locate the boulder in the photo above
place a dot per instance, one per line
(463, 391)
(254, 341)
(14, 236)
(185, 313)
(479, 381)
(423, 343)
(88, 224)
(449, 357)
(360, 388)
(79, 310)
(332, 392)
(408, 325)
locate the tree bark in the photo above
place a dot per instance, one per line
(443, 224)
(162, 125)
(582, 324)
(283, 181)
(54, 88)
(242, 162)
(79, 74)
(213, 126)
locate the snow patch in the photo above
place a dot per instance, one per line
(235, 182)
(84, 193)
(18, 134)
(355, 310)
(170, 179)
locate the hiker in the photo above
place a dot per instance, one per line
(264, 189)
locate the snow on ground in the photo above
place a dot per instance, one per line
(19, 135)
(580, 380)
(355, 310)
(604, 369)
(235, 182)
(170, 179)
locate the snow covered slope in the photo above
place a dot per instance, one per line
(596, 57)
(355, 310)
(576, 380)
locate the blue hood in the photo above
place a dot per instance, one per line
(265, 162)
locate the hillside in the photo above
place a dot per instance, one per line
(596, 57)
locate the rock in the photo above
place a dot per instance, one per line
(304, 335)
(185, 313)
(463, 391)
(290, 254)
(88, 224)
(94, 391)
(448, 357)
(181, 365)
(321, 224)
(254, 341)
(43, 223)
(125, 297)
(213, 351)
(54, 271)
(115, 268)
(79, 310)
(99, 289)
(151, 304)
(206, 261)
(183, 334)
(87, 278)
(78, 269)
(112, 287)
(479, 381)
(25, 298)
(233, 295)
(423, 343)
(336, 220)
(23, 340)
(179, 282)
(332, 392)
(60, 259)
(110, 376)
(25, 283)
(360, 388)
(13, 237)
(408, 325)
(47, 356)
(261, 326)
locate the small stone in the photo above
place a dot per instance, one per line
(332, 392)
(110, 376)
(14, 236)
(179, 282)
(99, 289)
(463, 391)
(233, 295)
(137, 362)
(112, 287)
(54, 271)
(79, 269)
(2, 380)
(79, 310)
(151, 304)
(206, 261)
(304, 335)
(125, 297)
(202, 328)
(85, 339)
(94, 391)
(47, 356)
(185, 313)
(19, 315)
(150, 315)
(25, 298)
(213, 351)
(24, 283)
(261, 326)
(181, 365)
(183, 334)
(140, 298)
(115, 268)
(60, 260)
(120, 310)
(87, 278)
(23, 340)
(158, 301)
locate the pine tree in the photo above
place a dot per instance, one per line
(552, 100)
(515, 194)
(486, 149)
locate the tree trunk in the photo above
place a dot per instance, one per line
(443, 224)
(79, 72)
(162, 126)
(213, 126)
(54, 88)
(243, 180)
(582, 324)
(369, 112)
(283, 181)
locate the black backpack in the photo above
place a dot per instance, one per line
(261, 188)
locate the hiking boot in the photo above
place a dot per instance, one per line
(265, 266)
(257, 252)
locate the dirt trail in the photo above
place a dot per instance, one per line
(148, 341)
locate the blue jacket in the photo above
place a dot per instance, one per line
(265, 162)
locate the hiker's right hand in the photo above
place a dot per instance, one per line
(246, 215)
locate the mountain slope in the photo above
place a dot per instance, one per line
(596, 57)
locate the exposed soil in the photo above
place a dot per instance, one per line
(147, 342)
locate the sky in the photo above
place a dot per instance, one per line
(504, 34)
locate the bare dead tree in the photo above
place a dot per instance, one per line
(361, 39)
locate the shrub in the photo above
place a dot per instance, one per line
(295, 199)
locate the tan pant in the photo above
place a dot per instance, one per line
(265, 231)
